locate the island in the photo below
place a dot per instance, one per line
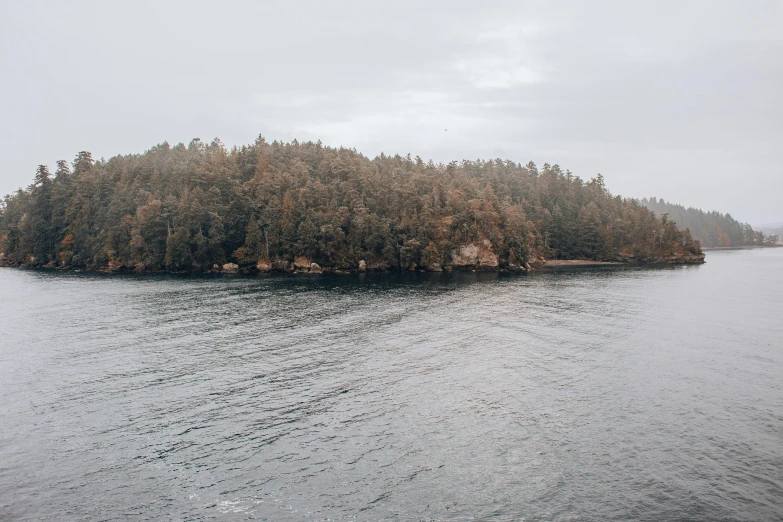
(308, 208)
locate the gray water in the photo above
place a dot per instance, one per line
(575, 394)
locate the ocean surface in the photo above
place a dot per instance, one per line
(604, 393)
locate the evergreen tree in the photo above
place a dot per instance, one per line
(42, 241)
(253, 248)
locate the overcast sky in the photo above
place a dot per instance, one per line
(680, 100)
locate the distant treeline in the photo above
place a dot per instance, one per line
(191, 207)
(712, 229)
(772, 229)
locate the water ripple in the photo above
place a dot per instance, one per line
(601, 393)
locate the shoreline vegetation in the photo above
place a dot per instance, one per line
(712, 229)
(305, 208)
(318, 270)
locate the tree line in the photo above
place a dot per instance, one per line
(712, 229)
(195, 206)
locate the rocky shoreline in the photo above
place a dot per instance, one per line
(472, 257)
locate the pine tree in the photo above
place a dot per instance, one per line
(42, 240)
(253, 248)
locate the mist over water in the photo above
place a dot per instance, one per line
(593, 393)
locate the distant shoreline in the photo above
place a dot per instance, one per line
(750, 247)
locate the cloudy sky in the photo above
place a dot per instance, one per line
(681, 100)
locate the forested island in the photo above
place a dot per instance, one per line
(304, 207)
(712, 229)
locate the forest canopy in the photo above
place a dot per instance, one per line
(199, 206)
(712, 229)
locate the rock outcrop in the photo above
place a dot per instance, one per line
(114, 266)
(315, 268)
(230, 268)
(301, 263)
(264, 266)
(476, 256)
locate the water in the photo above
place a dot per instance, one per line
(595, 393)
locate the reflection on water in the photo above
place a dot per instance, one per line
(597, 393)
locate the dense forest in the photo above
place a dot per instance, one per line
(712, 229)
(303, 206)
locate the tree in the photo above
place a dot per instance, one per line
(82, 163)
(178, 254)
(591, 241)
(431, 256)
(42, 241)
(253, 248)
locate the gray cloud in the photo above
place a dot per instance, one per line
(674, 99)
